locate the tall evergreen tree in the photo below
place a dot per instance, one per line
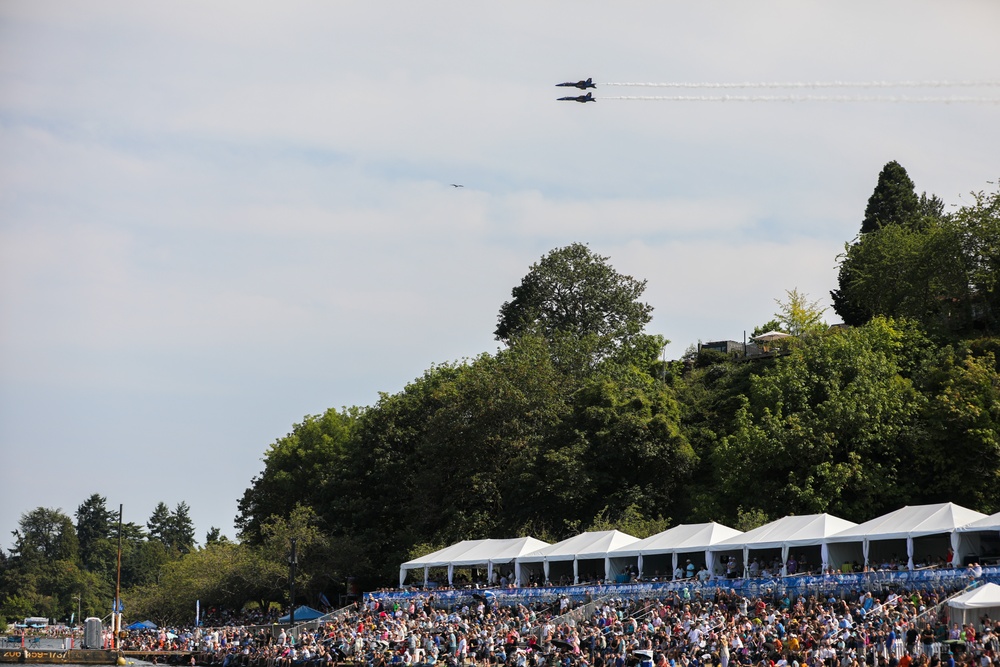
(180, 529)
(93, 525)
(159, 523)
(894, 201)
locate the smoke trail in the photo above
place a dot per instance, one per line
(811, 98)
(818, 84)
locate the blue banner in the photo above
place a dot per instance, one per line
(837, 584)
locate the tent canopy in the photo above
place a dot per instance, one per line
(442, 557)
(911, 521)
(586, 545)
(477, 552)
(793, 531)
(141, 625)
(303, 613)
(497, 551)
(987, 595)
(682, 538)
(991, 522)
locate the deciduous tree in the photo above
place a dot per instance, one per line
(577, 301)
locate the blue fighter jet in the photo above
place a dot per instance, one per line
(582, 85)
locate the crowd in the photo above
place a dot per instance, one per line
(725, 568)
(718, 629)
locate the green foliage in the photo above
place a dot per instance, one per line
(798, 316)
(636, 453)
(44, 535)
(959, 457)
(298, 469)
(748, 519)
(214, 536)
(44, 571)
(203, 575)
(894, 201)
(630, 521)
(159, 523)
(941, 270)
(707, 357)
(93, 526)
(577, 423)
(826, 429)
(977, 225)
(574, 299)
(457, 451)
(179, 534)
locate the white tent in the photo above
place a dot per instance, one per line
(935, 524)
(586, 546)
(979, 541)
(472, 552)
(682, 539)
(972, 605)
(786, 533)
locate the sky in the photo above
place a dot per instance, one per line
(218, 218)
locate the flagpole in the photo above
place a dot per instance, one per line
(116, 619)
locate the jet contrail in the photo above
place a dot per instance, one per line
(818, 84)
(810, 98)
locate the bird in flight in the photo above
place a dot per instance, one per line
(456, 185)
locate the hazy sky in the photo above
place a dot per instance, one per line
(216, 218)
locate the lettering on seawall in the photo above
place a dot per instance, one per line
(54, 656)
(49, 656)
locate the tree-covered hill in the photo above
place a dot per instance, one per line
(576, 423)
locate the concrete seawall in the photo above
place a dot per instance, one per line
(70, 656)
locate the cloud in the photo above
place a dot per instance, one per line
(216, 219)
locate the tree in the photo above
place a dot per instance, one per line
(491, 419)
(958, 460)
(829, 428)
(634, 450)
(180, 529)
(203, 574)
(748, 519)
(977, 225)
(159, 523)
(894, 201)
(893, 205)
(942, 272)
(142, 559)
(799, 316)
(631, 521)
(174, 530)
(577, 301)
(44, 535)
(93, 525)
(43, 571)
(298, 469)
(214, 536)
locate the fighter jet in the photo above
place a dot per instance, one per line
(582, 85)
(589, 97)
